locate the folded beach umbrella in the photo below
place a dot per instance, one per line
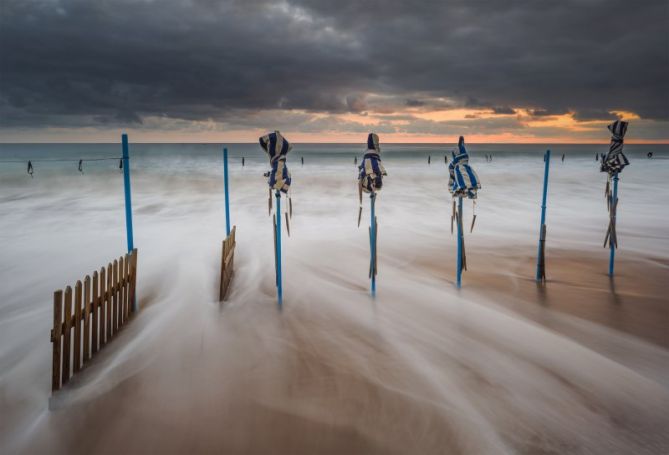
(370, 180)
(371, 168)
(279, 180)
(462, 183)
(277, 147)
(612, 163)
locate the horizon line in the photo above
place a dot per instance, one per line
(648, 142)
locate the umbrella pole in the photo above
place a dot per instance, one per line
(227, 192)
(541, 261)
(279, 286)
(460, 239)
(373, 244)
(612, 242)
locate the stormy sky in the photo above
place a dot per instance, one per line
(496, 70)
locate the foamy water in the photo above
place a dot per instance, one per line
(419, 367)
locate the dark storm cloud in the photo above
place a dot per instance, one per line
(69, 62)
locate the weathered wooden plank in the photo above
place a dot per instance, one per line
(87, 319)
(103, 307)
(227, 263)
(133, 280)
(121, 273)
(95, 305)
(108, 299)
(126, 274)
(76, 345)
(221, 290)
(115, 296)
(66, 336)
(56, 339)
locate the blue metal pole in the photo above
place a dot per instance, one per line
(128, 201)
(126, 185)
(227, 192)
(373, 244)
(614, 207)
(278, 249)
(459, 275)
(547, 160)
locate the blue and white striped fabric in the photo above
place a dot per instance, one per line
(615, 160)
(277, 147)
(463, 181)
(371, 169)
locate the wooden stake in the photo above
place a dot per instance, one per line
(66, 336)
(77, 327)
(56, 334)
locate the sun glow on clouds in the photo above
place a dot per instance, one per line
(413, 124)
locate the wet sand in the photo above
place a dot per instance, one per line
(558, 368)
(579, 365)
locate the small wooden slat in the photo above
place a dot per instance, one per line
(115, 296)
(227, 263)
(133, 280)
(77, 327)
(108, 299)
(87, 318)
(126, 274)
(66, 336)
(121, 302)
(56, 339)
(103, 307)
(221, 290)
(95, 304)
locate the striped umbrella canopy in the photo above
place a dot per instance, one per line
(277, 147)
(371, 169)
(614, 161)
(463, 181)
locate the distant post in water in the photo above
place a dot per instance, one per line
(227, 191)
(541, 255)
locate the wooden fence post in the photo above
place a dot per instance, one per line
(96, 304)
(87, 319)
(114, 288)
(55, 338)
(121, 280)
(108, 298)
(76, 359)
(103, 307)
(133, 282)
(66, 335)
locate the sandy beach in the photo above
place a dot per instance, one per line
(503, 365)
(554, 367)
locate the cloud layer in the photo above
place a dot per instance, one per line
(104, 63)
